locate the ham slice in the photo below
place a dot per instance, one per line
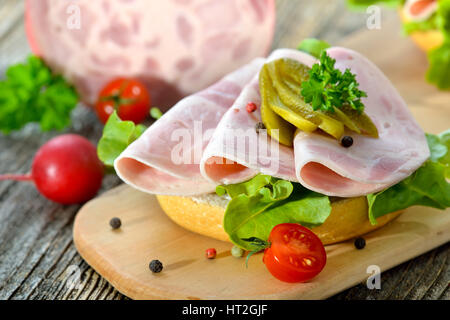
(236, 152)
(176, 47)
(369, 165)
(259, 154)
(153, 164)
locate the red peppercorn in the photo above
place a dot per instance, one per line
(251, 107)
(211, 253)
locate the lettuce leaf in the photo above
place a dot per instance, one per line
(439, 70)
(425, 187)
(117, 135)
(442, 154)
(439, 58)
(362, 4)
(313, 46)
(256, 206)
(248, 188)
(432, 23)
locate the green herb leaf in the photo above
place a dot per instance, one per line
(329, 88)
(248, 188)
(439, 70)
(439, 58)
(266, 202)
(156, 113)
(426, 187)
(363, 4)
(313, 46)
(440, 149)
(117, 135)
(432, 23)
(31, 93)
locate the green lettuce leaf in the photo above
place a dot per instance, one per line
(263, 202)
(313, 46)
(117, 135)
(431, 23)
(248, 188)
(439, 58)
(362, 4)
(426, 187)
(439, 70)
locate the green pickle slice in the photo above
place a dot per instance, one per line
(277, 128)
(283, 107)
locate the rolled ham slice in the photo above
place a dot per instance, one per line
(236, 151)
(259, 154)
(369, 165)
(319, 162)
(153, 164)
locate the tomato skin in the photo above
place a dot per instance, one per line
(295, 254)
(114, 96)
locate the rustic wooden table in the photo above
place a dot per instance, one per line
(38, 259)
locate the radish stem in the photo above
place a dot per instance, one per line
(17, 177)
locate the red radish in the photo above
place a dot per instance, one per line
(66, 170)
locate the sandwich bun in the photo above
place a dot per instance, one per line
(204, 215)
(426, 40)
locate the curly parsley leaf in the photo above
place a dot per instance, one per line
(31, 93)
(329, 88)
(117, 135)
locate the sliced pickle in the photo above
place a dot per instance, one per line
(284, 77)
(298, 106)
(361, 120)
(298, 121)
(277, 128)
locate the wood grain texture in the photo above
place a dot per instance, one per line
(36, 248)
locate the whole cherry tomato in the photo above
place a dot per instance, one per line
(128, 97)
(295, 254)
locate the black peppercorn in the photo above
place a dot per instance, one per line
(360, 243)
(156, 266)
(259, 126)
(346, 141)
(115, 223)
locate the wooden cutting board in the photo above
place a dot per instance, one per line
(122, 256)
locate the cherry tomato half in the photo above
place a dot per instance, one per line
(296, 254)
(128, 97)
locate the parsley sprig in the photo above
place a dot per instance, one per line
(32, 93)
(329, 88)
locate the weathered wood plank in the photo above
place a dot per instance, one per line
(36, 247)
